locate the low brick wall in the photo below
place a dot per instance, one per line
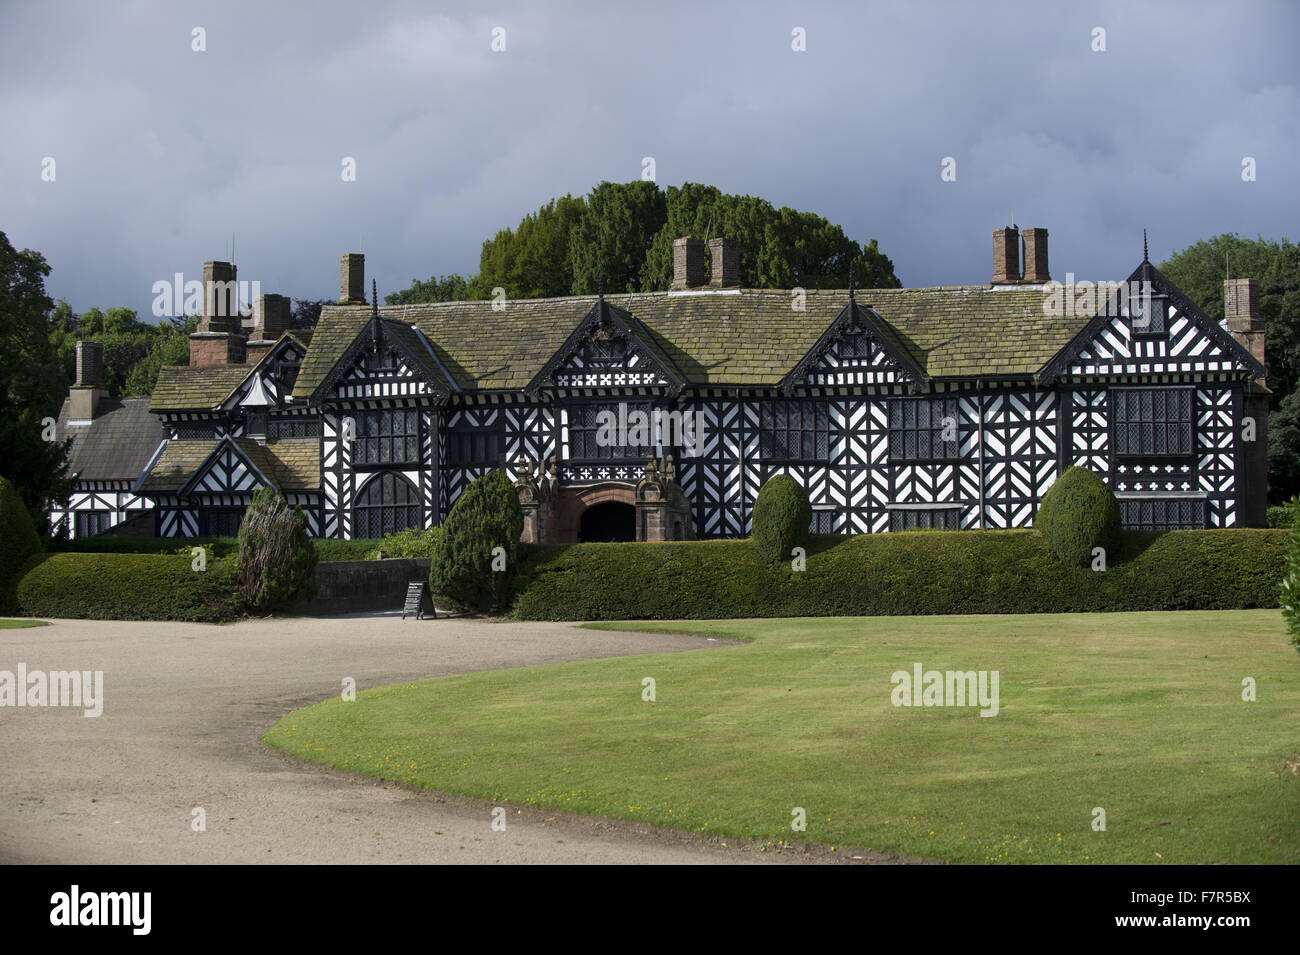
(346, 586)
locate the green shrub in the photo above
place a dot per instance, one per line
(412, 542)
(782, 515)
(942, 572)
(129, 587)
(1281, 515)
(1290, 596)
(487, 515)
(276, 562)
(215, 546)
(329, 549)
(1077, 514)
(18, 542)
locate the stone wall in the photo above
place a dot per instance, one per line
(347, 586)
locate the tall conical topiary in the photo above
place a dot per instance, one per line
(781, 519)
(18, 542)
(276, 562)
(467, 570)
(1290, 595)
(1078, 514)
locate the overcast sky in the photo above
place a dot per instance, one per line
(161, 153)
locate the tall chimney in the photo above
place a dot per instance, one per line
(352, 279)
(689, 267)
(1035, 256)
(1241, 307)
(271, 317)
(725, 256)
(89, 388)
(220, 298)
(1006, 255)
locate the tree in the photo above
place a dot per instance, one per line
(476, 556)
(170, 346)
(447, 288)
(276, 562)
(614, 236)
(1199, 270)
(32, 385)
(306, 312)
(781, 520)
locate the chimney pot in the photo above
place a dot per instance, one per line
(725, 256)
(1036, 256)
(689, 268)
(1006, 255)
(352, 279)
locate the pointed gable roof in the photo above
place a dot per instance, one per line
(1107, 341)
(233, 465)
(605, 319)
(893, 358)
(407, 341)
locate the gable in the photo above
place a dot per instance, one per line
(608, 349)
(1176, 338)
(859, 348)
(387, 359)
(228, 469)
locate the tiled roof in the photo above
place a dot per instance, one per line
(733, 337)
(185, 388)
(116, 445)
(292, 463)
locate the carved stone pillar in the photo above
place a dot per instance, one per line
(662, 511)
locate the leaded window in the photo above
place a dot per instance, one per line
(90, 523)
(390, 436)
(923, 429)
(220, 521)
(603, 432)
(793, 430)
(388, 503)
(474, 447)
(1162, 514)
(1152, 422)
(294, 426)
(925, 518)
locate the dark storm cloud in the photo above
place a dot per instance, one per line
(162, 153)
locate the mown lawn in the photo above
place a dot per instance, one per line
(1140, 714)
(21, 624)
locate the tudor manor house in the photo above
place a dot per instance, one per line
(952, 407)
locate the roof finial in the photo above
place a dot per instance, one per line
(850, 280)
(600, 286)
(1144, 246)
(374, 298)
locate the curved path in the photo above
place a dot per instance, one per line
(185, 709)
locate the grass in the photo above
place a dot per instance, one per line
(21, 624)
(1140, 714)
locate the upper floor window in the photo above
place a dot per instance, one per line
(792, 430)
(474, 447)
(923, 429)
(389, 436)
(599, 431)
(1152, 422)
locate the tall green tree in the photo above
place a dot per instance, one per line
(614, 236)
(32, 385)
(1199, 270)
(170, 345)
(447, 288)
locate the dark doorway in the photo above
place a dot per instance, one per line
(611, 521)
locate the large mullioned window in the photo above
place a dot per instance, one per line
(390, 436)
(923, 429)
(794, 431)
(589, 441)
(388, 503)
(1152, 422)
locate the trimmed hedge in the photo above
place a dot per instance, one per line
(18, 542)
(1078, 513)
(215, 546)
(943, 572)
(782, 515)
(129, 587)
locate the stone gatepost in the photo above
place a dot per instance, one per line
(536, 497)
(662, 511)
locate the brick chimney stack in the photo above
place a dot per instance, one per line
(89, 388)
(271, 319)
(1006, 255)
(1241, 307)
(689, 268)
(220, 339)
(352, 279)
(1035, 256)
(725, 256)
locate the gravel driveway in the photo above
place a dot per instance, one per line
(185, 709)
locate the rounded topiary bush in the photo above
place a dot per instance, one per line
(464, 572)
(18, 542)
(782, 516)
(1077, 514)
(276, 561)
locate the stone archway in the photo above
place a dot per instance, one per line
(607, 521)
(572, 502)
